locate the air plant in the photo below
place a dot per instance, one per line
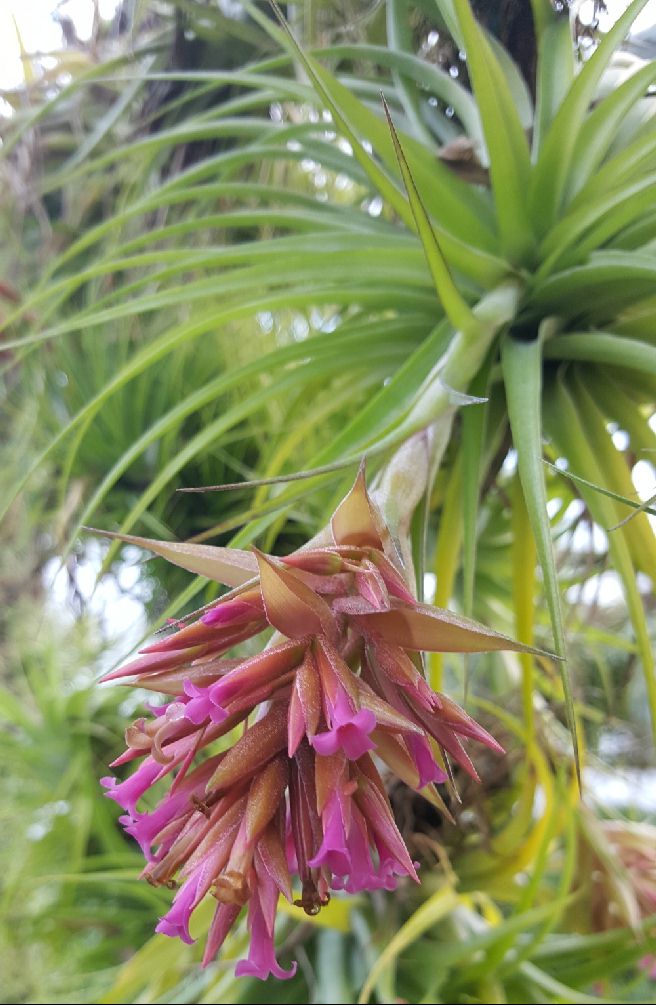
(487, 281)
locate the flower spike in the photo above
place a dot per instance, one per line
(296, 805)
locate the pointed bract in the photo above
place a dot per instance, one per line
(228, 566)
(355, 521)
(432, 629)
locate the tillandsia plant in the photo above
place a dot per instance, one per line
(294, 273)
(296, 806)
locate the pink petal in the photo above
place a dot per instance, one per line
(351, 737)
(175, 923)
(334, 853)
(201, 707)
(261, 962)
(349, 730)
(128, 793)
(428, 768)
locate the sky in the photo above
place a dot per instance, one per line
(41, 33)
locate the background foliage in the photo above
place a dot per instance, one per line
(219, 267)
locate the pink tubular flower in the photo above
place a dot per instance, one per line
(296, 806)
(262, 906)
(128, 793)
(348, 729)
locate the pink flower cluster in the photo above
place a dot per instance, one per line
(296, 805)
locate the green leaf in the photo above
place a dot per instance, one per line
(580, 444)
(473, 438)
(555, 164)
(602, 124)
(461, 955)
(391, 402)
(566, 473)
(630, 162)
(430, 78)
(109, 119)
(555, 72)
(522, 374)
(438, 906)
(457, 309)
(610, 280)
(591, 225)
(504, 136)
(523, 561)
(447, 556)
(637, 532)
(460, 211)
(332, 982)
(637, 234)
(399, 40)
(324, 85)
(603, 347)
(544, 16)
(546, 985)
(204, 439)
(617, 398)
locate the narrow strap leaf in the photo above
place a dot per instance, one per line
(523, 564)
(458, 310)
(504, 135)
(615, 393)
(603, 347)
(571, 436)
(602, 490)
(447, 557)
(439, 905)
(637, 532)
(399, 40)
(429, 77)
(473, 437)
(602, 124)
(608, 278)
(318, 76)
(554, 166)
(555, 72)
(522, 373)
(544, 16)
(592, 224)
(276, 480)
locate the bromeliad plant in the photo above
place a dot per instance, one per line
(487, 244)
(298, 793)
